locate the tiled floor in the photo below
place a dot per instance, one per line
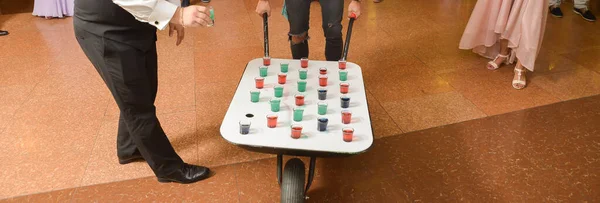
(514, 157)
(58, 121)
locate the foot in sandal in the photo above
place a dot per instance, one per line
(499, 60)
(519, 80)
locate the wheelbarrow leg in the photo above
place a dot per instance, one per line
(311, 173)
(279, 167)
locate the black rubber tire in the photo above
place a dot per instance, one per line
(292, 185)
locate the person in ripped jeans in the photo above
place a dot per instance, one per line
(298, 14)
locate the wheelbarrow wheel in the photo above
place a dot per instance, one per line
(292, 185)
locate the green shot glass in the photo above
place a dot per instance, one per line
(263, 71)
(322, 108)
(298, 114)
(278, 91)
(275, 105)
(343, 75)
(302, 86)
(284, 67)
(303, 74)
(212, 17)
(254, 95)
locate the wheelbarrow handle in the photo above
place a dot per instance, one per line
(348, 36)
(266, 31)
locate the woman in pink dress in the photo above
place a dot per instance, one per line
(53, 8)
(505, 31)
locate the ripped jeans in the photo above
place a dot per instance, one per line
(298, 17)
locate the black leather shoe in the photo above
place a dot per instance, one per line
(132, 158)
(187, 174)
(3, 32)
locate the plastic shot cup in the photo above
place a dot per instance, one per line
(343, 75)
(342, 64)
(260, 82)
(296, 131)
(344, 87)
(322, 80)
(245, 127)
(254, 95)
(322, 124)
(346, 116)
(345, 101)
(303, 74)
(322, 108)
(302, 86)
(304, 62)
(299, 100)
(322, 93)
(298, 114)
(212, 17)
(272, 120)
(348, 134)
(263, 70)
(284, 66)
(278, 91)
(323, 71)
(275, 105)
(267, 61)
(281, 78)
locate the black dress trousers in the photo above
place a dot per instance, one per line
(123, 51)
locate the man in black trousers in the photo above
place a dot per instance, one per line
(119, 38)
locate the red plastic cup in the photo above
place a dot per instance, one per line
(299, 100)
(322, 80)
(344, 87)
(282, 78)
(323, 71)
(272, 120)
(348, 134)
(346, 116)
(304, 62)
(296, 131)
(260, 82)
(342, 64)
(266, 61)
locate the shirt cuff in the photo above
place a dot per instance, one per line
(162, 14)
(176, 2)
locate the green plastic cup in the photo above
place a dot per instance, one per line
(275, 105)
(278, 91)
(298, 114)
(263, 71)
(284, 67)
(343, 75)
(303, 74)
(254, 95)
(322, 108)
(302, 86)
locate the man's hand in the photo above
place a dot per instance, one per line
(180, 32)
(193, 16)
(354, 7)
(263, 7)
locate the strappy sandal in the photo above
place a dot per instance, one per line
(521, 79)
(492, 64)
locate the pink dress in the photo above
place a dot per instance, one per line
(521, 22)
(53, 8)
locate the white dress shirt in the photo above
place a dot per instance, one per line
(155, 12)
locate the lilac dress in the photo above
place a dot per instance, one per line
(53, 8)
